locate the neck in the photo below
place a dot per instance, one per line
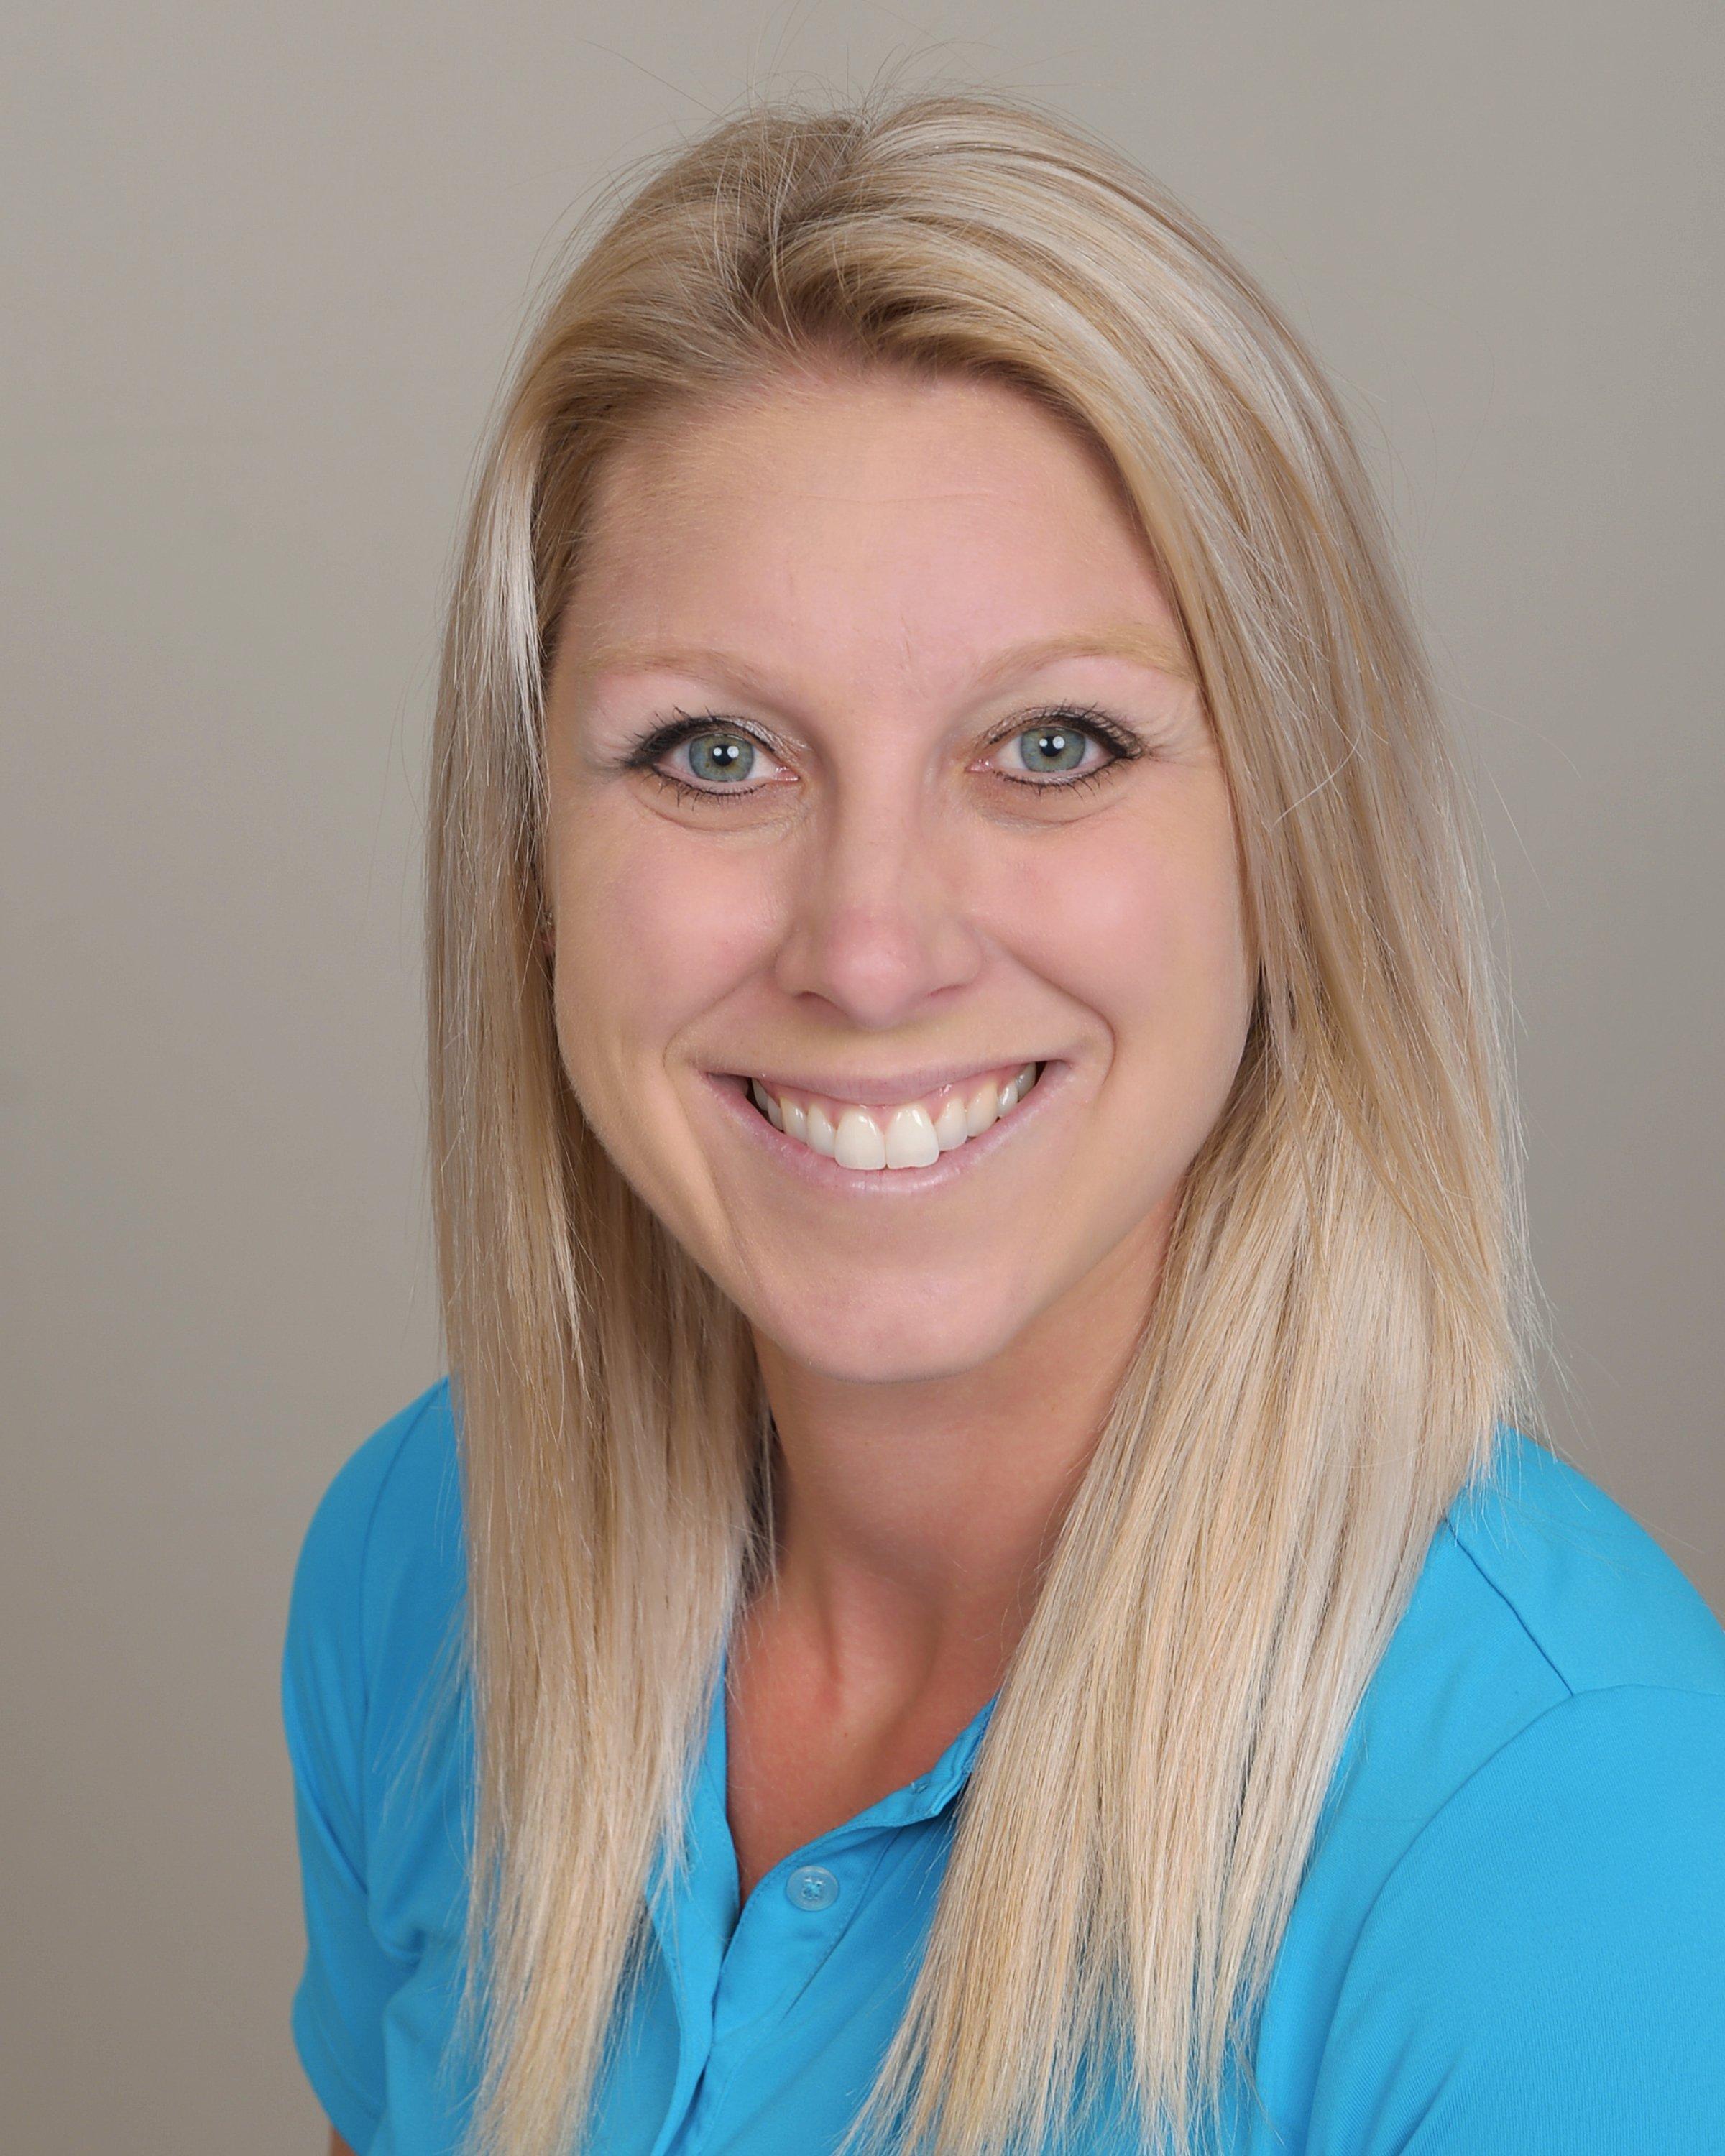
(914, 1519)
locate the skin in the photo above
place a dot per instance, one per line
(895, 884)
(842, 562)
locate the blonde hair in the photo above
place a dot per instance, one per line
(1344, 1310)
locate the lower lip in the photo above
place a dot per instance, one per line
(822, 1172)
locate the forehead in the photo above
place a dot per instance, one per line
(848, 430)
(873, 520)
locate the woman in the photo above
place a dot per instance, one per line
(976, 1552)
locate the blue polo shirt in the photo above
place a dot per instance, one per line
(1509, 1939)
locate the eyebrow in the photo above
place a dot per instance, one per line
(1131, 640)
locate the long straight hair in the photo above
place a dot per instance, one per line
(1345, 1310)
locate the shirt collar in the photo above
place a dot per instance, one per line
(925, 1797)
(918, 1799)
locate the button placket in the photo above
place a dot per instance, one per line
(793, 1940)
(791, 1927)
(779, 1939)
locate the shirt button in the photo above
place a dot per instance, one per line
(811, 1887)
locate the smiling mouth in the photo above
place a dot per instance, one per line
(869, 1140)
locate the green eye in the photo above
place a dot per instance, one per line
(715, 758)
(1052, 748)
(723, 755)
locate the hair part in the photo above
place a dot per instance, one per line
(1346, 1309)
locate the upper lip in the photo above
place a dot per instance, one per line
(886, 1092)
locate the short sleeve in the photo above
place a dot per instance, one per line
(1544, 1971)
(337, 2013)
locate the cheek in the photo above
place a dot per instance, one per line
(1141, 920)
(652, 932)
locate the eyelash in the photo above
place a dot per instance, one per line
(1088, 718)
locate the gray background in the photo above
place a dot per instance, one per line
(263, 268)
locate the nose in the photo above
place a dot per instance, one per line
(877, 923)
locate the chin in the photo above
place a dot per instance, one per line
(888, 1338)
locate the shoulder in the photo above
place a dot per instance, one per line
(1600, 1602)
(1542, 1968)
(1538, 1589)
(1515, 1908)
(395, 1501)
(1572, 1680)
(370, 1658)
(380, 1571)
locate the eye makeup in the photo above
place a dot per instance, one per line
(1123, 742)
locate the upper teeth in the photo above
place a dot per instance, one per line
(914, 1134)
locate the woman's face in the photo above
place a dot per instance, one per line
(876, 775)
